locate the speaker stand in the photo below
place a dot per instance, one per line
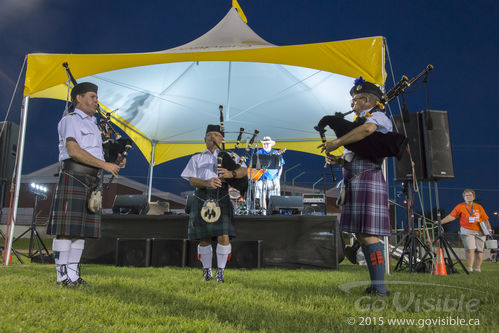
(35, 237)
(411, 241)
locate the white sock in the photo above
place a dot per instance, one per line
(61, 249)
(205, 255)
(74, 258)
(223, 252)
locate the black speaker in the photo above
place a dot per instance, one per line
(439, 163)
(168, 252)
(414, 129)
(292, 204)
(130, 204)
(99, 251)
(8, 149)
(244, 254)
(133, 252)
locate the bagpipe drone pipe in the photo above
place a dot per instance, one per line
(114, 145)
(377, 145)
(227, 160)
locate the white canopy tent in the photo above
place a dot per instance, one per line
(164, 100)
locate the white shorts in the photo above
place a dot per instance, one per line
(267, 188)
(472, 240)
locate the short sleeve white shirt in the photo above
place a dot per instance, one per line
(203, 166)
(83, 128)
(382, 122)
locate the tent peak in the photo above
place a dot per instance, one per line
(231, 33)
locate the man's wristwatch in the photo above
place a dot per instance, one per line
(234, 174)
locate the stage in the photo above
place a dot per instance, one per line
(291, 241)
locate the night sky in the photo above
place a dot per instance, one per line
(458, 37)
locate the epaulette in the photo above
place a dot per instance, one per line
(67, 114)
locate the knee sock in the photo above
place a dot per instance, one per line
(223, 254)
(61, 249)
(74, 258)
(205, 255)
(376, 265)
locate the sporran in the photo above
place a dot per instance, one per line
(95, 201)
(211, 212)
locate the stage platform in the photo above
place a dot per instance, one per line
(291, 241)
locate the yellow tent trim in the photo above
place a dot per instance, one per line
(169, 151)
(350, 58)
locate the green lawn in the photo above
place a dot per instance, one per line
(122, 299)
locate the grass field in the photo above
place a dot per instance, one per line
(123, 299)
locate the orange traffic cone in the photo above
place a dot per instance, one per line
(440, 263)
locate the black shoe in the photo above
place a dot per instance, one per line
(374, 292)
(207, 276)
(81, 282)
(68, 283)
(220, 275)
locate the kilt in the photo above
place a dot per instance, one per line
(70, 215)
(366, 199)
(198, 228)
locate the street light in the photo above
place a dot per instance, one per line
(38, 190)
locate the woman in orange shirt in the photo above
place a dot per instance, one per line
(470, 216)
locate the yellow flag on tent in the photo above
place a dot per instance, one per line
(235, 5)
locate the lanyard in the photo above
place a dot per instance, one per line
(470, 212)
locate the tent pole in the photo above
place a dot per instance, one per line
(151, 166)
(386, 249)
(385, 238)
(227, 106)
(19, 168)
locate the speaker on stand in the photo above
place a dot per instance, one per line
(414, 129)
(439, 163)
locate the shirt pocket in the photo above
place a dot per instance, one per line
(88, 138)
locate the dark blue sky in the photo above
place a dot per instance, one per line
(458, 37)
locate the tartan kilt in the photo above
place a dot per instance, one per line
(366, 199)
(70, 215)
(200, 229)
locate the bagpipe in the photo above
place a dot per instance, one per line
(114, 145)
(227, 160)
(377, 145)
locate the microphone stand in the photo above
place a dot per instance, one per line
(251, 194)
